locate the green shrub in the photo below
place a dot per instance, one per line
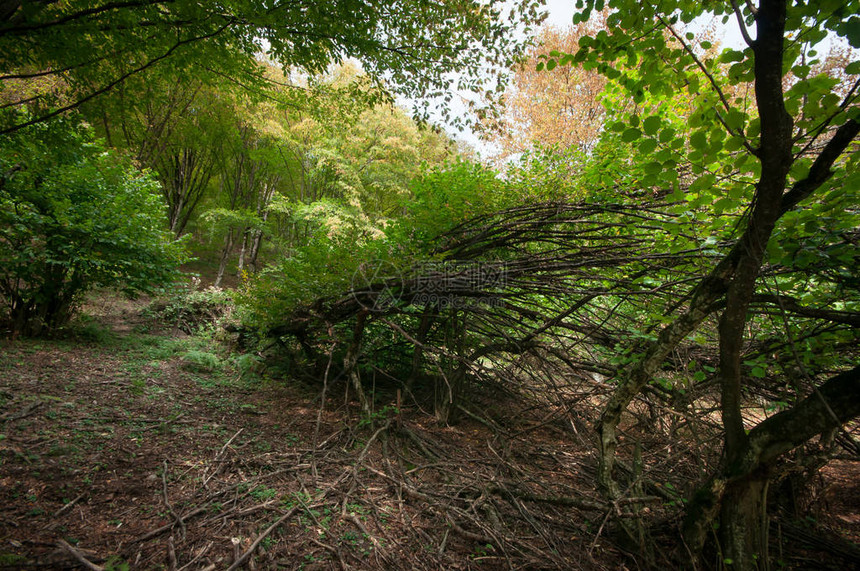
(191, 310)
(74, 216)
(343, 249)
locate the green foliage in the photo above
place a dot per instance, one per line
(201, 361)
(101, 46)
(72, 217)
(248, 365)
(11, 559)
(377, 417)
(547, 173)
(444, 197)
(343, 243)
(683, 126)
(191, 310)
(322, 269)
(88, 330)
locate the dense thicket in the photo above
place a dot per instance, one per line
(724, 229)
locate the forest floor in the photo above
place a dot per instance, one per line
(132, 445)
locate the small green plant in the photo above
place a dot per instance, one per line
(249, 366)
(201, 361)
(263, 493)
(482, 550)
(138, 385)
(356, 509)
(11, 559)
(191, 310)
(262, 446)
(374, 418)
(115, 563)
(677, 498)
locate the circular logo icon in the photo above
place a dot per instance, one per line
(377, 285)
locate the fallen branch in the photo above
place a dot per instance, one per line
(79, 556)
(27, 411)
(171, 554)
(219, 457)
(69, 505)
(244, 557)
(177, 519)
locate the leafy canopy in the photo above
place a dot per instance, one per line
(419, 47)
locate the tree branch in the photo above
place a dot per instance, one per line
(836, 402)
(792, 305)
(744, 31)
(820, 171)
(27, 28)
(114, 83)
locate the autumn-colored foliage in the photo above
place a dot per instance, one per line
(546, 108)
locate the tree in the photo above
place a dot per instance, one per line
(792, 141)
(177, 130)
(72, 217)
(250, 173)
(550, 107)
(94, 47)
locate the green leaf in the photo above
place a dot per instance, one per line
(699, 140)
(653, 167)
(722, 205)
(733, 144)
(851, 30)
(667, 135)
(801, 71)
(647, 146)
(631, 135)
(651, 125)
(730, 55)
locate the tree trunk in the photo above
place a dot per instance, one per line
(351, 359)
(450, 387)
(240, 268)
(225, 255)
(736, 496)
(255, 250)
(418, 351)
(744, 523)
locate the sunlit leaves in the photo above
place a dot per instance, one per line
(99, 45)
